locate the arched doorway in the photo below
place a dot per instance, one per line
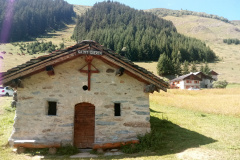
(84, 125)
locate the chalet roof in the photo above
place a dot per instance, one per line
(203, 75)
(212, 72)
(60, 56)
(186, 76)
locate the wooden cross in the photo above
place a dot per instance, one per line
(89, 59)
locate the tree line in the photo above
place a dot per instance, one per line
(138, 35)
(168, 66)
(38, 47)
(32, 18)
(231, 41)
(162, 12)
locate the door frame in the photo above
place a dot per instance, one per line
(74, 119)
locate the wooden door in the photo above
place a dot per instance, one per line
(84, 125)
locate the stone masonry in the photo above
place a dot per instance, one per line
(65, 87)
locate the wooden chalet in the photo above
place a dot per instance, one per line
(206, 80)
(214, 75)
(188, 81)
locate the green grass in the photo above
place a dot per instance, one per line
(212, 135)
(233, 85)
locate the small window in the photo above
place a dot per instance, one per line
(117, 109)
(52, 108)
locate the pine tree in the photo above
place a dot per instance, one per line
(185, 69)
(164, 65)
(177, 66)
(206, 69)
(201, 68)
(193, 67)
(61, 45)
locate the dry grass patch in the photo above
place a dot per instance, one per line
(212, 32)
(218, 101)
(80, 9)
(9, 61)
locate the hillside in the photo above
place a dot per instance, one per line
(228, 67)
(236, 22)
(213, 32)
(27, 19)
(59, 36)
(80, 9)
(138, 35)
(163, 12)
(207, 29)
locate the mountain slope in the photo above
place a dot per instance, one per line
(212, 32)
(60, 36)
(163, 12)
(143, 36)
(207, 29)
(80, 9)
(31, 18)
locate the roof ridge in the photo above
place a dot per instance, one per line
(59, 56)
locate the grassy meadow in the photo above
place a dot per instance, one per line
(9, 61)
(188, 125)
(217, 101)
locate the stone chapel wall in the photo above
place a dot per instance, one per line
(65, 88)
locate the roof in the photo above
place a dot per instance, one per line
(212, 72)
(203, 75)
(186, 76)
(60, 56)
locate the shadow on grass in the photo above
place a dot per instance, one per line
(166, 138)
(50, 35)
(153, 111)
(175, 139)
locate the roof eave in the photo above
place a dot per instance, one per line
(69, 53)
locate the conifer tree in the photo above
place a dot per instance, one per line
(193, 67)
(177, 66)
(164, 65)
(201, 68)
(206, 69)
(185, 69)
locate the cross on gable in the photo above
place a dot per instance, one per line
(89, 59)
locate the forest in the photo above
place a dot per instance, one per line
(31, 18)
(231, 41)
(138, 35)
